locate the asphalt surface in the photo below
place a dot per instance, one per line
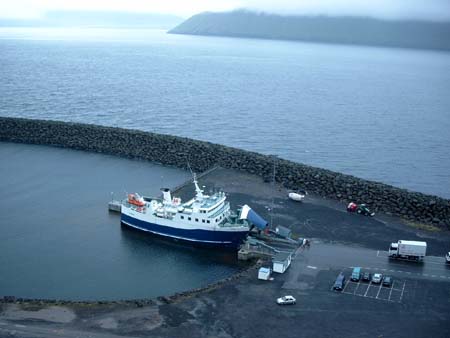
(416, 305)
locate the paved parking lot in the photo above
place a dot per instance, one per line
(394, 293)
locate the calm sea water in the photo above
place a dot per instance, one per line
(377, 113)
(58, 240)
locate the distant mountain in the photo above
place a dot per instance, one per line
(97, 19)
(342, 30)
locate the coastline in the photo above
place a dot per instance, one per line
(178, 296)
(178, 151)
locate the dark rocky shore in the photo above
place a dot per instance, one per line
(178, 151)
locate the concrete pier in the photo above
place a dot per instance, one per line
(115, 206)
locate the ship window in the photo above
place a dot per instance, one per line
(189, 218)
(207, 221)
(203, 221)
(182, 217)
(196, 219)
(217, 220)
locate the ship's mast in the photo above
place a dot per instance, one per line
(198, 191)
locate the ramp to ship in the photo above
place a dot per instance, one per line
(250, 215)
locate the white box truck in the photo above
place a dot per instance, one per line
(409, 250)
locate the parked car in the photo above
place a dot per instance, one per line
(339, 283)
(361, 209)
(377, 278)
(286, 300)
(367, 277)
(356, 274)
(447, 258)
(387, 281)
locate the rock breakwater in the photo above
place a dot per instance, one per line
(177, 151)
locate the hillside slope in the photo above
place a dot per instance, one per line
(344, 30)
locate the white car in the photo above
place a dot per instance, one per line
(286, 300)
(377, 278)
(447, 257)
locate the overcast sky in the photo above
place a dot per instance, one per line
(389, 9)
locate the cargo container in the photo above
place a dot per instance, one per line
(408, 250)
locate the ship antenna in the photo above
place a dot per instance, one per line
(189, 167)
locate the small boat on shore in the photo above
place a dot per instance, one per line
(297, 196)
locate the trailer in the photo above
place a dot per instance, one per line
(281, 261)
(408, 250)
(264, 273)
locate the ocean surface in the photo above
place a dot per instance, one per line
(376, 113)
(58, 240)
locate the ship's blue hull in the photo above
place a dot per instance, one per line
(208, 238)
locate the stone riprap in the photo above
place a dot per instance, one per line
(178, 151)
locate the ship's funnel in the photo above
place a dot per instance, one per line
(167, 197)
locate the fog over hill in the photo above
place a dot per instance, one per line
(101, 19)
(324, 29)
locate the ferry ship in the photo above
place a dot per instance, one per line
(203, 220)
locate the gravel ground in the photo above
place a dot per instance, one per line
(417, 306)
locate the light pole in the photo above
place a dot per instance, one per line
(274, 158)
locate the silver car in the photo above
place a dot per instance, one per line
(286, 300)
(377, 278)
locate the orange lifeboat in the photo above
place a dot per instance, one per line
(136, 200)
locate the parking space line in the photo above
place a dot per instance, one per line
(345, 286)
(393, 284)
(407, 272)
(390, 292)
(368, 287)
(396, 286)
(403, 289)
(379, 289)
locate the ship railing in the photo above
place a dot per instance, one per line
(227, 224)
(221, 210)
